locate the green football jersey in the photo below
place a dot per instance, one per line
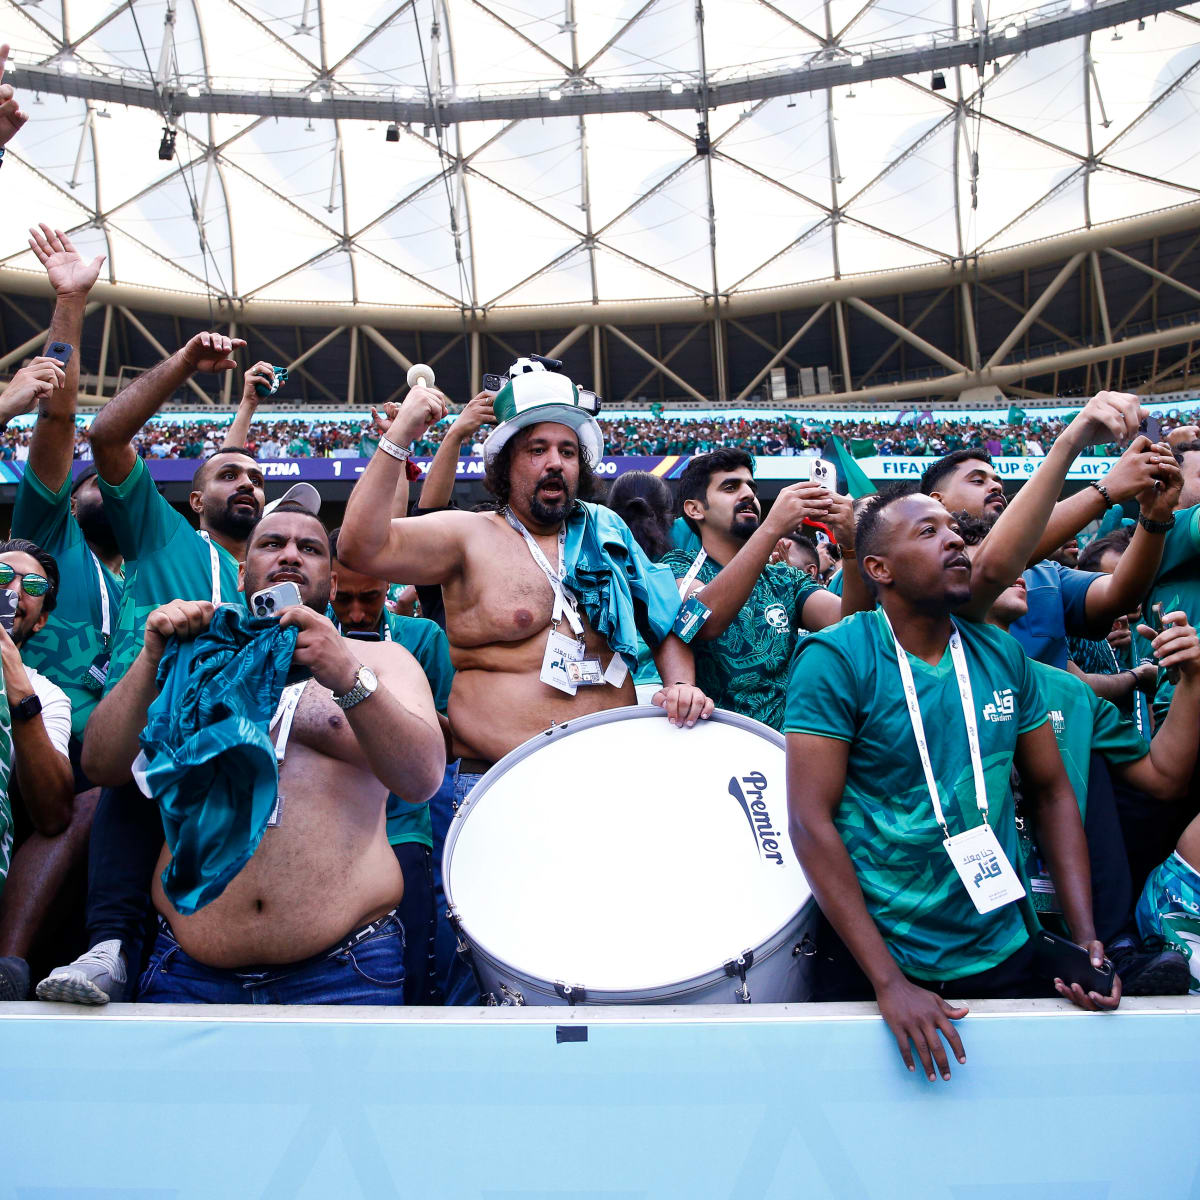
(168, 560)
(426, 642)
(72, 638)
(1176, 586)
(745, 670)
(846, 684)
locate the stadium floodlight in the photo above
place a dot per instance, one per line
(194, 91)
(316, 96)
(554, 94)
(676, 88)
(166, 148)
(856, 60)
(1011, 31)
(68, 65)
(393, 132)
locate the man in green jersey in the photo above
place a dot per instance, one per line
(357, 607)
(170, 560)
(865, 697)
(744, 646)
(1084, 726)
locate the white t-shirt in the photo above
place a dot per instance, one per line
(56, 711)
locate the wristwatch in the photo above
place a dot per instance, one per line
(365, 684)
(27, 709)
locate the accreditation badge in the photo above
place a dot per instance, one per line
(561, 651)
(984, 868)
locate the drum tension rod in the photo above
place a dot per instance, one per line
(736, 968)
(572, 994)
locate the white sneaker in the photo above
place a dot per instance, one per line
(93, 978)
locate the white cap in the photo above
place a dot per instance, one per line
(303, 494)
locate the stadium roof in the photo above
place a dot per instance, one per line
(818, 157)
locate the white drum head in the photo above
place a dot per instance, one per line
(620, 853)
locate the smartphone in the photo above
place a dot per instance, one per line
(821, 472)
(362, 635)
(1158, 625)
(1151, 426)
(60, 351)
(271, 602)
(1059, 958)
(8, 609)
(493, 383)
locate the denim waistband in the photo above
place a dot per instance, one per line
(350, 940)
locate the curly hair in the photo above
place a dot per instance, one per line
(497, 474)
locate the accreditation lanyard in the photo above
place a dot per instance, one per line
(977, 855)
(564, 601)
(105, 604)
(693, 571)
(214, 563)
(918, 725)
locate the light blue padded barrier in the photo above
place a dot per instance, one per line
(756, 1102)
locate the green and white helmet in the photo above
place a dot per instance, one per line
(537, 396)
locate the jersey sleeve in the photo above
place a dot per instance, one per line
(1075, 585)
(804, 586)
(56, 712)
(41, 515)
(1114, 735)
(141, 519)
(432, 651)
(822, 696)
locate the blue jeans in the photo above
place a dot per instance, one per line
(365, 967)
(455, 978)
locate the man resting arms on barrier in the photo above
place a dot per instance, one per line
(310, 918)
(544, 599)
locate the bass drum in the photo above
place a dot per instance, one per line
(619, 860)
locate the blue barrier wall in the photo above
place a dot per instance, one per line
(767, 1101)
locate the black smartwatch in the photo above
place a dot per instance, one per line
(27, 709)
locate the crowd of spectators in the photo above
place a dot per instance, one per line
(652, 434)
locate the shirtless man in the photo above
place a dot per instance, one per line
(310, 919)
(500, 604)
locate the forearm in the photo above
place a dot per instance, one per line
(1067, 519)
(726, 594)
(1114, 688)
(675, 661)
(835, 886)
(406, 753)
(370, 539)
(111, 742)
(438, 487)
(126, 413)
(239, 431)
(44, 777)
(1112, 596)
(1173, 748)
(53, 446)
(1061, 840)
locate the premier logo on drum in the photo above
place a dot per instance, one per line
(757, 815)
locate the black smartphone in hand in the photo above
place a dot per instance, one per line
(1057, 957)
(60, 351)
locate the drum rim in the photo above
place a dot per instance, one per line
(518, 754)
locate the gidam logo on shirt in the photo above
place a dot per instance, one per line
(757, 815)
(776, 616)
(1057, 721)
(1001, 707)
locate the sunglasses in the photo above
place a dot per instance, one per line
(31, 584)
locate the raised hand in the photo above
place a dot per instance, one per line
(11, 116)
(66, 269)
(797, 502)
(1158, 501)
(477, 412)
(183, 619)
(211, 352)
(422, 408)
(261, 372)
(1108, 417)
(1177, 646)
(30, 384)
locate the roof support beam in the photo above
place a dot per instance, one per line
(666, 358)
(820, 72)
(1035, 309)
(565, 343)
(905, 334)
(161, 349)
(654, 362)
(401, 360)
(275, 348)
(781, 353)
(1161, 276)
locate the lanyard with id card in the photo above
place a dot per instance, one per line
(565, 665)
(97, 674)
(977, 855)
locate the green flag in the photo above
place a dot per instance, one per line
(862, 448)
(857, 483)
(1015, 415)
(368, 443)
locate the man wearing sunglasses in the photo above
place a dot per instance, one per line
(35, 727)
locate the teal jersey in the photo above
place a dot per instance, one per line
(846, 685)
(73, 637)
(685, 537)
(426, 642)
(746, 669)
(1176, 586)
(1082, 722)
(836, 581)
(167, 559)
